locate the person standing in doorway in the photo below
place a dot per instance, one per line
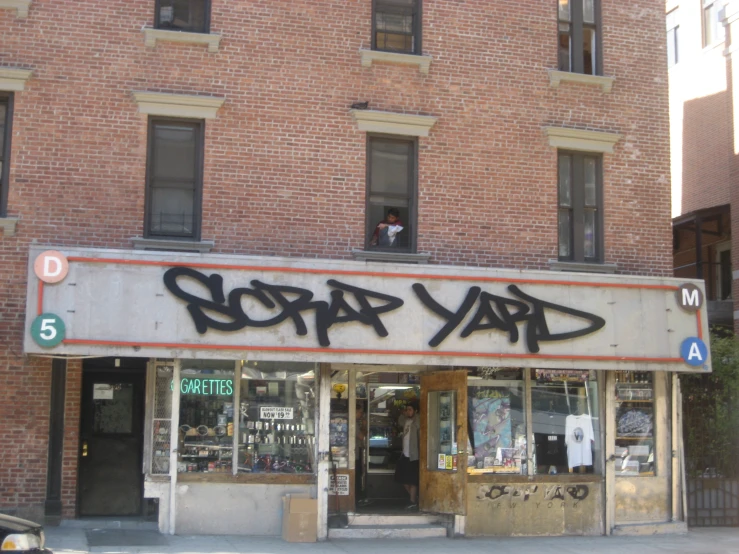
(406, 471)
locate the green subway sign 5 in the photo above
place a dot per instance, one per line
(206, 386)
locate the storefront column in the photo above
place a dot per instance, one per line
(324, 408)
(675, 451)
(174, 425)
(610, 451)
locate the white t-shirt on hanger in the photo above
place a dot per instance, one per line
(578, 438)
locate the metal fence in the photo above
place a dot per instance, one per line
(713, 502)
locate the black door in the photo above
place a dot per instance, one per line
(111, 442)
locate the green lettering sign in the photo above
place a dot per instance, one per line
(205, 386)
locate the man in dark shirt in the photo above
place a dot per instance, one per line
(387, 230)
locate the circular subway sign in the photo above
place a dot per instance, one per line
(689, 297)
(48, 330)
(694, 351)
(51, 266)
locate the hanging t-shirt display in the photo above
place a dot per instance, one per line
(579, 439)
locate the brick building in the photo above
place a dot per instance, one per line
(703, 145)
(272, 137)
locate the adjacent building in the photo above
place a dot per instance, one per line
(239, 238)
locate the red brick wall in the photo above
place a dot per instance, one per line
(284, 161)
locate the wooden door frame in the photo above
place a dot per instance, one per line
(461, 423)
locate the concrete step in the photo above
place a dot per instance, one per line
(644, 529)
(396, 519)
(388, 532)
(129, 524)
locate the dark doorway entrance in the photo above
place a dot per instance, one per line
(111, 437)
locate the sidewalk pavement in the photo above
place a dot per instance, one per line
(74, 540)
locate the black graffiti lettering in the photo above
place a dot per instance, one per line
(291, 309)
(507, 321)
(292, 303)
(537, 329)
(453, 318)
(197, 306)
(496, 491)
(368, 314)
(505, 314)
(578, 492)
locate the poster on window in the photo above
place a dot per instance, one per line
(274, 412)
(338, 485)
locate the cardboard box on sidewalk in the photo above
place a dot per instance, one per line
(299, 518)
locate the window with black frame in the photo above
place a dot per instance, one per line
(578, 36)
(183, 15)
(391, 194)
(6, 102)
(396, 26)
(174, 179)
(580, 207)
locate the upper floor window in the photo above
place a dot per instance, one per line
(672, 38)
(174, 179)
(6, 108)
(578, 36)
(713, 27)
(183, 15)
(580, 207)
(391, 194)
(396, 26)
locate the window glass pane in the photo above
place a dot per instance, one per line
(588, 11)
(174, 151)
(183, 15)
(497, 427)
(205, 437)
(564, 10)
(389, 170)
(442, 431)
(725, 274)
(112, 408)
(565, 184)
(565, 234)
(394, 25)
(277, 418)
(590, 234)
(172, 210)
(590, 165)
(564, 47)
(566, 425)
(634, 424)
(672, 46)
(588, 51)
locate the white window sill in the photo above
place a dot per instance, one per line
(151, 36)
(556, 77)
(200, 246)
(7, 224)
(20, 7)
(370, 56)
(392, 257)
(582, 267)
(12, 79)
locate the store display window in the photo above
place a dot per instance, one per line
(496, 426)
(205, 441)
(634, 424)
(276, 414)
(565, 422)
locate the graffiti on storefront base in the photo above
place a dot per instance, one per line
(550, 496)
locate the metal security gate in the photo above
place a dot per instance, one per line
(713, 502)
